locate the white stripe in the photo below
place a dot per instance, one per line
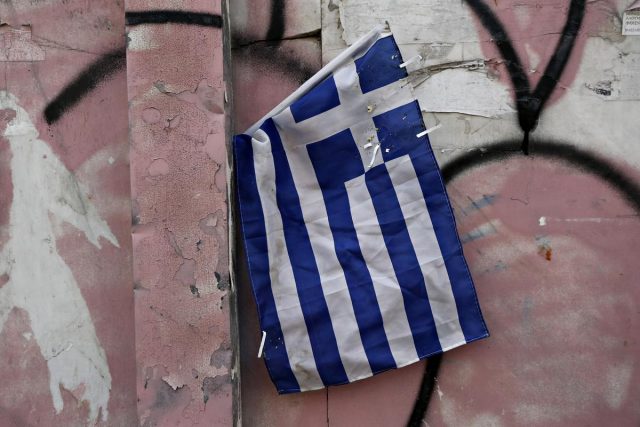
(425, 243)
(334, 285)
(385, 283)
(353, 108)
(283, 284)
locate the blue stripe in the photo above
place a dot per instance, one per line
(404, 260)
(397, 134)
(318, 100)
(434, 193)
(255, 240)
(397, 131)
(305, 270)
(335, 161)
(380, 66)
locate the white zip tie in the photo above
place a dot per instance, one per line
(373, 158)
(368, 145)
(411, 61)
(264, 337)
(424, 132)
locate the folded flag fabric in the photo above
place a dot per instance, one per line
(354, 257)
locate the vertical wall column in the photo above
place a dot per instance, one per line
(66, 306)
(180, 248)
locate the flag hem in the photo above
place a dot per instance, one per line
(411, 362)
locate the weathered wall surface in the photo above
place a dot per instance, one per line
(549, 236)
(178, 157)
(66, 313)
(70, 206)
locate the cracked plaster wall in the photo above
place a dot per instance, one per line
(178, 170)
(549, 239)
(98, 151)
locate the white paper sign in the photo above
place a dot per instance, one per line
(631, 20)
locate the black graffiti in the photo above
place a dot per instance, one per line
(530, 103)
(173, 16)
(277, 23)
(553, 150)
(289, 61)
(86, 81)
(426, 391)
(272, 53)
(115, 60)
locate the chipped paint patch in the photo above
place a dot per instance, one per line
(141, 38)
(177, 122)
(158, 167)
(16, 45)
(544, 220)
(617, 383)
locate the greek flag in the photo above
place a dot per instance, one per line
(355, 262)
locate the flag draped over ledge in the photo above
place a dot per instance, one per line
(355, 261)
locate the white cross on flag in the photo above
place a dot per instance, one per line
(355, 261)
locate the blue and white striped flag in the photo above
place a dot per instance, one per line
(352, 248)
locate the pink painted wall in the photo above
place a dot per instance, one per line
(181, 274)
(560, 299)
(75, 106)
(67, 353)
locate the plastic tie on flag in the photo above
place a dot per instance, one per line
(373, 155)
(410, 61)
(429, 130)
(264, 337)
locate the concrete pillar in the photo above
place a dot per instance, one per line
(178, 157)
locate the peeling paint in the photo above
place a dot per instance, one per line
(466, 92)
(45, 194)
(177, 135)
(16, 45)
(186, 273)
(151, 115)
(158, 167)
(213, 385)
